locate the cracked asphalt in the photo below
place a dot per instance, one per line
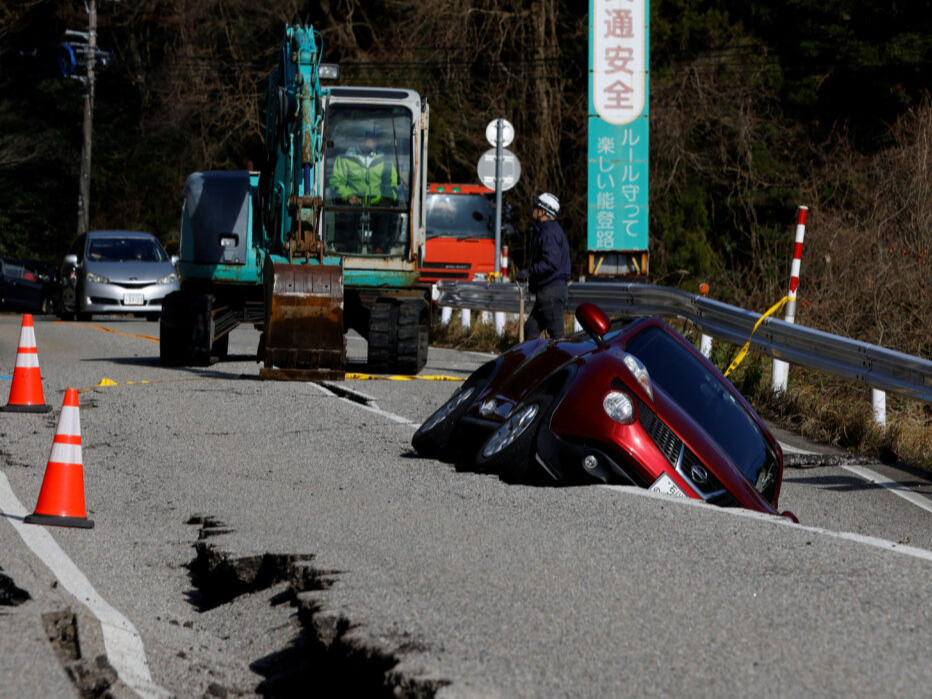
(399, 574)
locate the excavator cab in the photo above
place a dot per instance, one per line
(367, 161)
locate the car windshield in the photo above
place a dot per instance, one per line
(125, 250)
(459, 216)
(703, 397)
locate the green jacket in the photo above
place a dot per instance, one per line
(376, 183)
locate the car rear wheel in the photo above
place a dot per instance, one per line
(510, 450)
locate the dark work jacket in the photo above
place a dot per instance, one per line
(550, 256)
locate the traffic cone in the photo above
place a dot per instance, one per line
(26, 390)
(61, 500)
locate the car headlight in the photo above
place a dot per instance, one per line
(639, 371)
(618, 406)
(168, 279)
(96, 278)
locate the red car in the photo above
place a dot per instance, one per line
(637, 406)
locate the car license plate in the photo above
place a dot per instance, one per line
(133, 299)
(667, 486)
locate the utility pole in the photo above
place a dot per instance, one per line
(84, 184)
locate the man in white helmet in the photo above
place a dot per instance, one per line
(548, 271)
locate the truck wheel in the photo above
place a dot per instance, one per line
(185, 330)
(174, 328)
(220, 348)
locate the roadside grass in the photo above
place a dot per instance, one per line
(823, 408)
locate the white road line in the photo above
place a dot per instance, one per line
(893, 486)
(121, 640)
(870, 476)
(373, 408)
(781, 521)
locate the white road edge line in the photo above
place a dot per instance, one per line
(781, 521)
(893, 486)
(371, 408)
(871, 476)
(121, 639)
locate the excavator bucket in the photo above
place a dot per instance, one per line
(304, 338)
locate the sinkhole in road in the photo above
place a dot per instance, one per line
(10, 594)
(91, 677)
(331, 654)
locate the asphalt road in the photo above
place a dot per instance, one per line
(282, 537)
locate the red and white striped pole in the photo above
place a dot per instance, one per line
(498, 317)
(780, 368)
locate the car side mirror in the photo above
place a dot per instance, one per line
(594, 321)
(71, 260)
(175, 260)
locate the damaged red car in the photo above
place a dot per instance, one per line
(638, 405)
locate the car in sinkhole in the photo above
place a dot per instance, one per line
(629, 404)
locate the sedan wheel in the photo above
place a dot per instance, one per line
(433, 437)
(513, 428)
(510, 450)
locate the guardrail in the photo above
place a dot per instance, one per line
(873, 365)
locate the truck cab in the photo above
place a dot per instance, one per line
(460, 233)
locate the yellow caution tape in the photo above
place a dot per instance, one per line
(106, 383)
(747, 345)
(352, 376)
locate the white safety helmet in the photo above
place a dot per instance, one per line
(549, 203)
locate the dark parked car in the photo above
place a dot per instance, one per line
(637, 405)
(27, 285)
(116, 272)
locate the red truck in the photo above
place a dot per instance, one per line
(461, 233)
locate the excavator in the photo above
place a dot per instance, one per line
(325, 238)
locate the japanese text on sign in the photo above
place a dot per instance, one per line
(618, 189)
(618, 60)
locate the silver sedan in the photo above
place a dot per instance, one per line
(116, 272)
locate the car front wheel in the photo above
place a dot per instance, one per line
(510, 450)
(433, 437)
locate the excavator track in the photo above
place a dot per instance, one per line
(398, 336)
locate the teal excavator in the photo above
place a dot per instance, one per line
(325, 238)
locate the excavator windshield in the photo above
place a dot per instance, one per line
(367, 163)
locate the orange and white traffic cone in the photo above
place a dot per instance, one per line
(61, 500)
(26, 390)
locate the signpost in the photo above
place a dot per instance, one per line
(619, 98)
(499, 169)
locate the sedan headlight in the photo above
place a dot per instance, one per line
(618, 406)
(96, 278)
(639, 371)
(169, 279)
